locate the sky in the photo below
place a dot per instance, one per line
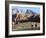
(34, 9)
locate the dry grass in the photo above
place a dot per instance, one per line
(26, 26)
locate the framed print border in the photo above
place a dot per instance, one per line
(7, 17)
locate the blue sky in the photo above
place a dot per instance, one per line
(34, 9)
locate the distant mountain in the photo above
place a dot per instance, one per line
(34, 16)
(30, 12)
(15, 11)
(31, 16)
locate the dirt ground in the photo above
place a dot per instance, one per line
(26, 26)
